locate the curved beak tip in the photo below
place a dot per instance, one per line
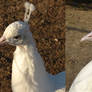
(82, 39)
(2, 40)
(85, 38)
(88, 37)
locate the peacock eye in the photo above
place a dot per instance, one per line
(17, 37)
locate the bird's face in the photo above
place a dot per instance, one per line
(88, 37)
(15, 33)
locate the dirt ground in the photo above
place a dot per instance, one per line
(48, 27)
(78, 24)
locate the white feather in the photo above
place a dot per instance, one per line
(29, 8)
(83, 81)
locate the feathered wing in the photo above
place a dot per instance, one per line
(83, 81)
(59, 81)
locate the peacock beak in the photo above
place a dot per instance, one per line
(2, 40)
(88, 37)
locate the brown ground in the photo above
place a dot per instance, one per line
(47, 25)
(78, 23)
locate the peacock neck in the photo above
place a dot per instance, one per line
(32, 56)
(33, 60)
(31, 69)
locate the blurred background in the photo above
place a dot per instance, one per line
(78, 24)
(48, 27)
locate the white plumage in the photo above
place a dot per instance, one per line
(28, 72)
(83, 81)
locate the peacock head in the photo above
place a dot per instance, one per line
(17, 33)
